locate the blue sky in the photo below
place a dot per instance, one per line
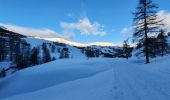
(105, 19)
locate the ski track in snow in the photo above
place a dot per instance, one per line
(133, 83)
(104, 79)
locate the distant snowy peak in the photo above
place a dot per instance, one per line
(60, 40)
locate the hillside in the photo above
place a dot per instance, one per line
(19, 51)
(76, 51)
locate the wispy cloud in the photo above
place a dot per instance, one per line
(84, 26)
(166, 16)
(70, 15)
(127, 31)
(43, 32)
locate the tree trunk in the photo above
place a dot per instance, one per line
(162, 49)
(146, 37)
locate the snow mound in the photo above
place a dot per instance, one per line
(50, 74)
(95, 79)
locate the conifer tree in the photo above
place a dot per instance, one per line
(126, 49)
(34, 56)
(162, 41)
(46, 53)
(146, 22)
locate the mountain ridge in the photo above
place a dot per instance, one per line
(62, 40)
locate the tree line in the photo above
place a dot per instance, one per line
(15, 49)
(149, 32)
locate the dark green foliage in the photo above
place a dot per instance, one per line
(53, 48)
(126, 49)
(92, 52)
(162, 42)
(64, 53)
(13, 48)
(23, 55)
(46, 53)
(34, 56)
(2, 73)
(157, 45)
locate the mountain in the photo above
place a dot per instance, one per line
(61, 40)
(24, 51)
(75, 50)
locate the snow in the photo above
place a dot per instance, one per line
(61, 40)
(36, 41)
(46, 75)
(168, 40)
(93, 79)
(76, 53)
(5, 65)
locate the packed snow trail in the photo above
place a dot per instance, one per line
(133, 82)
(116, 79)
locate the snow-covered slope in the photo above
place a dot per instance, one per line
(36, 42)
(5, 65)
(43, 51)
(50, 74)
(95, 79)
(75, 51)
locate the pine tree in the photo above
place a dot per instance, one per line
(162, 42)
(2, 43)
(34, 56)
(145, 22)
(126, 49)
(2, 73)
(46, 53)
(53, 48)
(64, 53)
